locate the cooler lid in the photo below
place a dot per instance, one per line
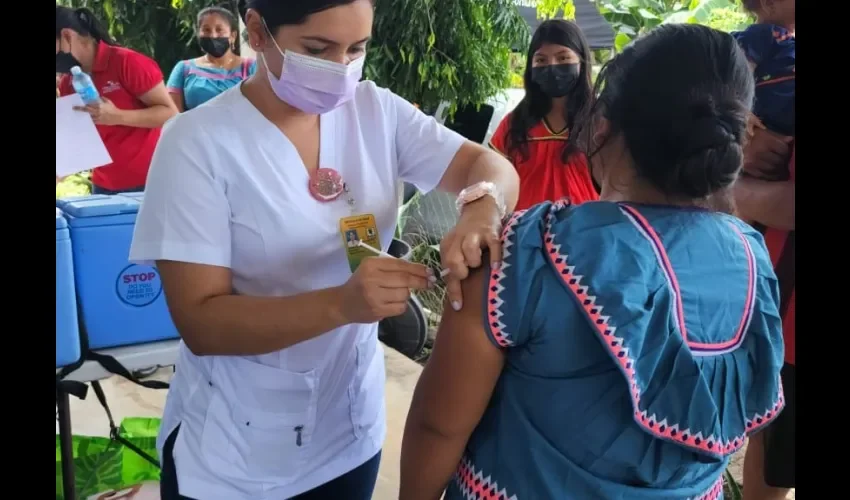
(138, 196)
(100, 205)
(61, 223)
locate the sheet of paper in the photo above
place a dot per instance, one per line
(78, 145)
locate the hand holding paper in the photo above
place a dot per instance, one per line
(78, 144)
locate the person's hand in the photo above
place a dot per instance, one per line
(766, 153)
(480, 226)
(103, 113)
(380, 288)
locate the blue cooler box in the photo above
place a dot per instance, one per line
(121, 303)
(67, 331)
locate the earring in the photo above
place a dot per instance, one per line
(596, 140)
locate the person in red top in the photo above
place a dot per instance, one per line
(535, 136)
(770, 463)
(135, 103)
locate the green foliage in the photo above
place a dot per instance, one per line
(548, 9)
(161, 29)
(517, 70)
(455, 51)
(729, 19)
(423, 252)
(630, 18)
(74, 185)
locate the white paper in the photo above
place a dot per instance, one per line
(78, 145)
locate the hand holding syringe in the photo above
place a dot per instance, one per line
(443, 273)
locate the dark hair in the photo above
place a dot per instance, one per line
(83, 21)
(223, 13)
(752, 6)
(536, 104)
(279, 13)
(680, 96)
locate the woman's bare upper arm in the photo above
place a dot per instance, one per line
(458, 381)
(190, 285)
(158, 96)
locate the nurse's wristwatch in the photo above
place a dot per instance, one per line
(479, 190)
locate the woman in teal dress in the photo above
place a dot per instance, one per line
(196, 81)
(625, 348)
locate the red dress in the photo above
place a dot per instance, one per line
(543, 176)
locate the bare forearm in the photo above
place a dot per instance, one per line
(492, 167)
(235, 325)
(152, 117)
(428, 461)
(178, 102)
(770, 203)
(473, 164)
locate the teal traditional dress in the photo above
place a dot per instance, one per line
(198, 84)
(643, 344)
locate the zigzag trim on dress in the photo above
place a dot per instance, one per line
(495, 287)
(656, 425)
(474, 486)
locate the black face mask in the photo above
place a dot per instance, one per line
(214, 46)
(556, 80)
(65, 61)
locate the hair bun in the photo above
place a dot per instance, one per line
(708, 132)
(710, 157)
(684, 132)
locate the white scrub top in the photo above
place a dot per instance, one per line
(227, 188)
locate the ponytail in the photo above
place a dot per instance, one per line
(84, 22)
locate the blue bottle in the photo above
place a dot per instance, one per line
(84, 86)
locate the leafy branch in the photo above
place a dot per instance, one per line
(631, 18)
(452, 51)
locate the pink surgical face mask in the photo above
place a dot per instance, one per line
(314, 85)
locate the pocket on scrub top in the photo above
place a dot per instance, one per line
(367, 389)
(266, 424)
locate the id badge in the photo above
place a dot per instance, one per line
(355, 229)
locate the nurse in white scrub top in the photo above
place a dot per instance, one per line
(250, 202)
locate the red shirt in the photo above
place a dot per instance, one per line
(781, 245)
(543, 176)
(123, 76)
